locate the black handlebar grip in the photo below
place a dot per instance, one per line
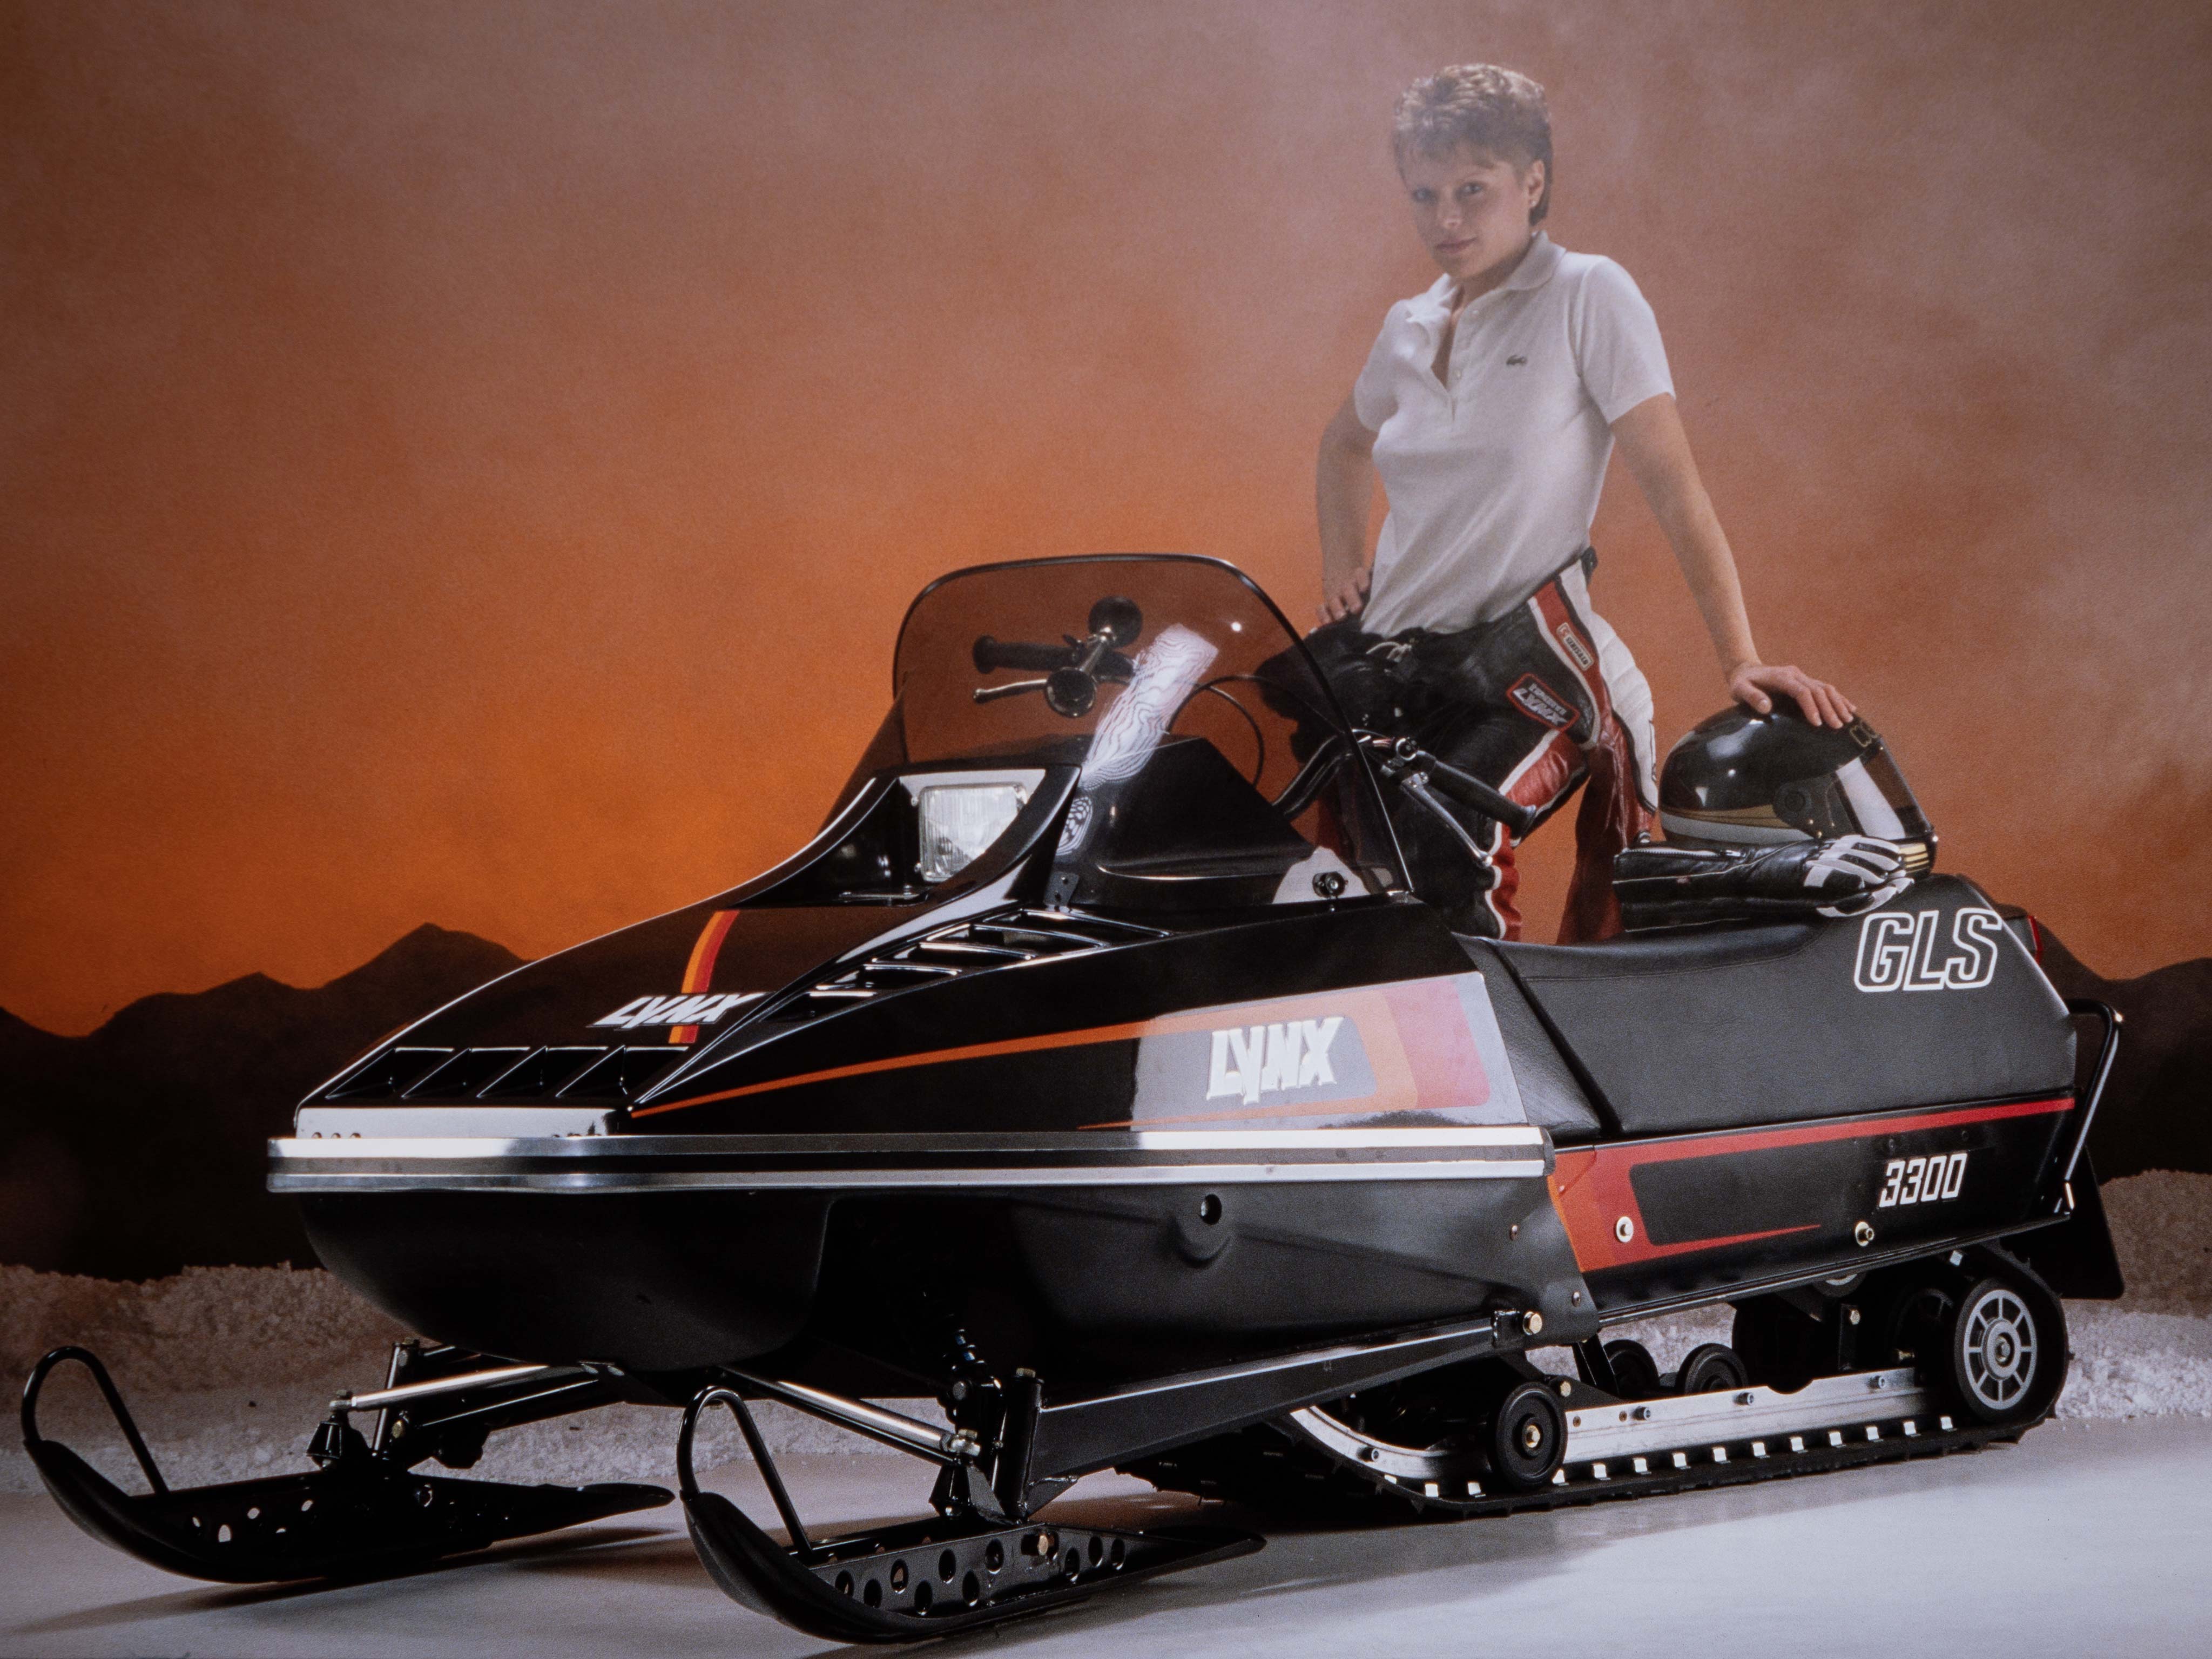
(990, 654)
(1470, 791)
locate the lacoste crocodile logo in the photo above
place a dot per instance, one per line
(1256, 1060)
(1516, 361)
(678, 1010)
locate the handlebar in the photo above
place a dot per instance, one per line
(1074, 668)
(1470, 791)
(992, 654)
(1413, 768)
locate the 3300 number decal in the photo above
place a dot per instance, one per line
(1921, 1180)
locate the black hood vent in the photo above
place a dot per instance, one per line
(518, 1075)
(964, 947)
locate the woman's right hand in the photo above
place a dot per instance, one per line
(1349, 600)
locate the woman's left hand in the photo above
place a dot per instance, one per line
(1349, 600)
(1751, 683)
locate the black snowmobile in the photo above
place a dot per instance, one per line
(1096, 1070)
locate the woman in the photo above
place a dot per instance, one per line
(1490, 405)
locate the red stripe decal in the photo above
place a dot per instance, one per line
(1440, 1052)
(699, 972)
(1414, 1031)
(1591, 1188)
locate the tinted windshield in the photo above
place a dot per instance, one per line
(1210, 750)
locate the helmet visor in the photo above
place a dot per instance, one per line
(1867, 796)
(1879, 795)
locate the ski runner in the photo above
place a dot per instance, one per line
(1490, 404)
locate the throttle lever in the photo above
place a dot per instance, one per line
(1416, 786)
(1414, 769)
(1465, 787)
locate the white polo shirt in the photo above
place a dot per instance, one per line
(1493, 473)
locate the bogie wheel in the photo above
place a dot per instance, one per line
(1527, 1438)
(1709, 1368)
(1919, 1327)
(2005, 1351)
(1779, 1346)
(1633, 1368)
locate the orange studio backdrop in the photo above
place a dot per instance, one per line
(467, 464)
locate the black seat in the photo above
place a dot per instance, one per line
(1549, 1092)
(1724, 1027)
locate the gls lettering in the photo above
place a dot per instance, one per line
(1897, 950)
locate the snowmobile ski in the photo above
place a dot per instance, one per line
(358, 1517)
(923, 1578)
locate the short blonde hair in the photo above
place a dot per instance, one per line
(1477, 106)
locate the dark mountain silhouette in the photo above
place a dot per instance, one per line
(135, 1149)
(2157, 1109)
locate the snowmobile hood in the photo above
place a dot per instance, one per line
(1081, 756)
(609, 1021)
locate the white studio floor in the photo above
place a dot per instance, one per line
(2087, 1538)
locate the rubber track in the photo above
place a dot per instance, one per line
(1267, 1467)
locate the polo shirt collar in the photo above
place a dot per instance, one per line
(1536, 265)
(1434, 306)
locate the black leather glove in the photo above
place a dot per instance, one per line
(1661, 886)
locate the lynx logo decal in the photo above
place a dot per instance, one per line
(1540, 703)
(1921, 1180)
(1898, 950)
(1251, 1061)
(676, 1011)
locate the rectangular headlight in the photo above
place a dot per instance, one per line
(959, 820)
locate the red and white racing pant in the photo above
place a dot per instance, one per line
(1616, 750)
(1534, 703)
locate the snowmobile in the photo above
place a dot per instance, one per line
(1098, 1070)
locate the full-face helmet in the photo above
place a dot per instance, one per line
(1739, 780)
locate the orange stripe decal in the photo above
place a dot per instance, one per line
(699, 972)
(1416, 1043)
(933, 1057)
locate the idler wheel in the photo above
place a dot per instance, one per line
(2004, 1352)
(1526, 1439)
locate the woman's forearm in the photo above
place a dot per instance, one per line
(1343, 489)
(1701, 548)
(1658, 452)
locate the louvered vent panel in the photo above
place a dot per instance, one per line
(966, 947)
(515, 1075)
